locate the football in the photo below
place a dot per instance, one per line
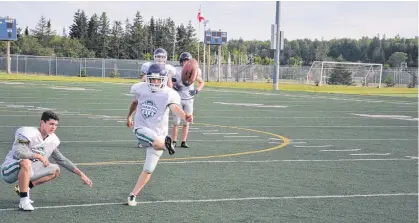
(189, 71)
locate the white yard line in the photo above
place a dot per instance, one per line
(338, 196)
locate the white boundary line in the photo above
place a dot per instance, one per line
(323, 146)
(339, 150)
(244, 126)
(370, 154)
(104, 163)
(228, 199)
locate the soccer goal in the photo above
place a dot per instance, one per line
(345, 73)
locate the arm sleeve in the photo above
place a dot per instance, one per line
(22, 151)
(21, 147)
(63, 161)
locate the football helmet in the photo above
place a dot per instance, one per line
(184, 57)
(156, 77)
(160, 55)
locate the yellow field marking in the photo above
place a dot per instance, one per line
(285, 143)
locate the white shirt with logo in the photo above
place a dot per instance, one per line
(36, 143)
(153, 107)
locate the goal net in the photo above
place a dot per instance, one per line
(345, 73)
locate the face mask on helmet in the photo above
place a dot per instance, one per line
(156, 81)
(160, 56)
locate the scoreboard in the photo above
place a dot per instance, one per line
(215, 37)
(8, 29)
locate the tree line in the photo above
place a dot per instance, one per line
(98, 36)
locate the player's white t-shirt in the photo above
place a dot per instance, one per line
(153, 108)
(171, 69)
(180, 88)
(36, 143)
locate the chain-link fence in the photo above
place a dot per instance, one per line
(98, 67)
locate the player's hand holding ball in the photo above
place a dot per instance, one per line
(193, 92)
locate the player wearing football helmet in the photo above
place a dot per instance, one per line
(186, 93)
(151, 121)
(160, 57)
(156, 77)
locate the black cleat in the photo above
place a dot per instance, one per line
(184, 145)
(174, 143)
(169, 145)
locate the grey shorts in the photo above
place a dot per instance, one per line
(10, 173)
(187, 106)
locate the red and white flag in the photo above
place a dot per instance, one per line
(200, 16)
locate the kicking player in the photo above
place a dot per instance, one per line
(27, 162)
(151, 121)
(186, 93)
(160, 57)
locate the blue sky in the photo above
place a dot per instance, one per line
(249, 20)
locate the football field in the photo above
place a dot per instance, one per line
(255, 157)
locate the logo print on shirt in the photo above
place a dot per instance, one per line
(148, 109)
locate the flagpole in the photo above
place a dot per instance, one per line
(205, 26)
(199, 31)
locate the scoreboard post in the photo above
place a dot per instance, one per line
(8, 33)
(217, 38)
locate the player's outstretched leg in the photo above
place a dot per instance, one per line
(151, 160)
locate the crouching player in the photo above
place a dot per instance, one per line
(27, 162)
(153, 99)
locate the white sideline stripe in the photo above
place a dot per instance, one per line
(370, 154)
(339, 150)
(412, 157)
(237, 161)
(323, 146)
(228, 199)
(247, 126)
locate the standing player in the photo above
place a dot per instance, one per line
(186, 93)
(160, 57)
(151, 121)
(27, 162)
